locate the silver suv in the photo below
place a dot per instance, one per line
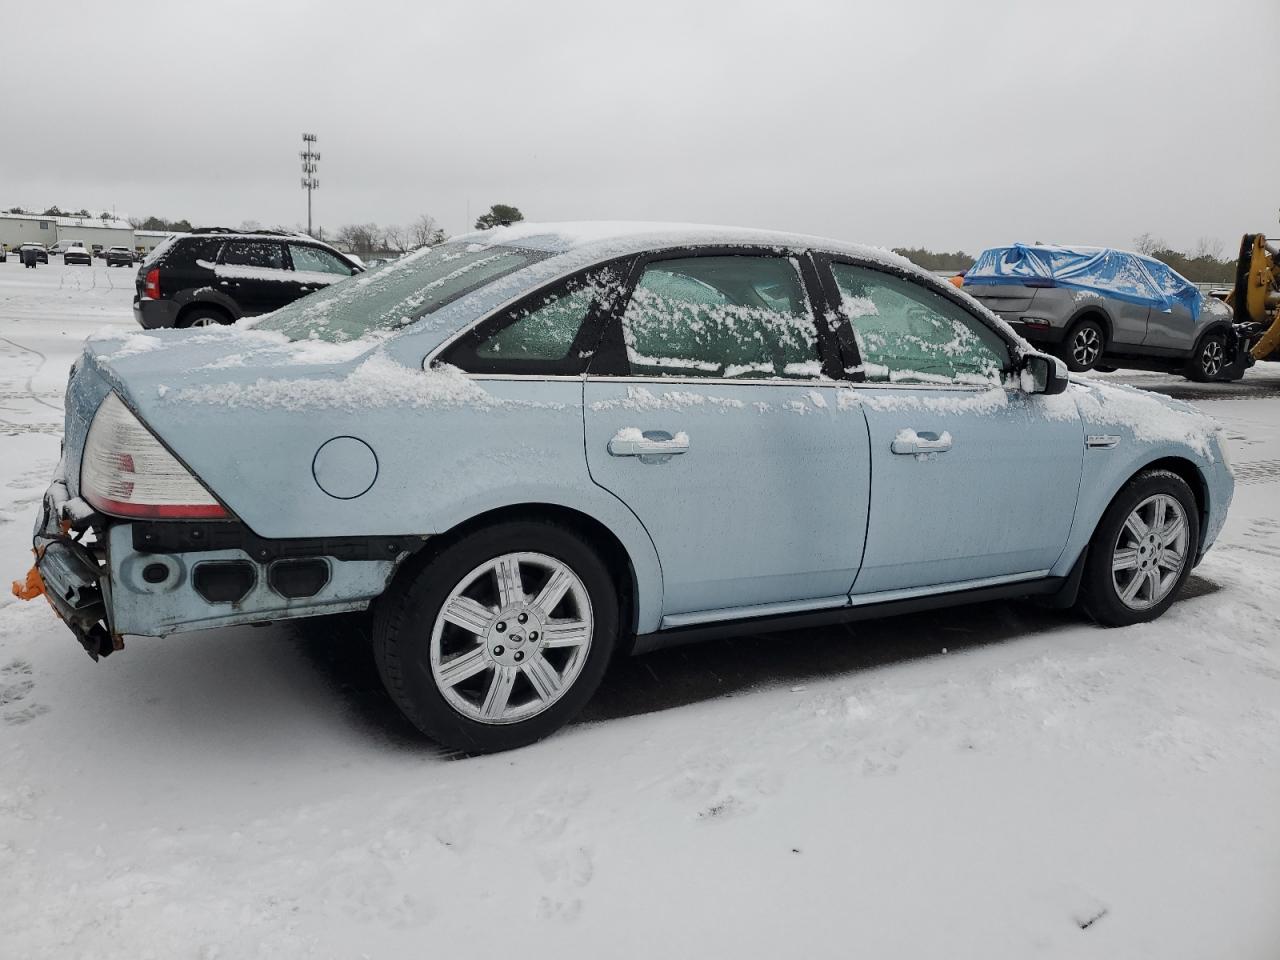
(1102, 308)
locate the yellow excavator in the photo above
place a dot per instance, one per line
(1256, 296)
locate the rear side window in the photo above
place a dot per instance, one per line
(186, 252)
(734, 316)
(546, 334)
(907, 333)
(253, 253)
(314, 260)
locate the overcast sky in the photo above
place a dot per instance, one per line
(902, 122)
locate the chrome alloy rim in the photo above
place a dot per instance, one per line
(511, 638)
(1211, 357)
(1150, 552)
(1086, 346)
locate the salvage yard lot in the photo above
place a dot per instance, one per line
(997, 781)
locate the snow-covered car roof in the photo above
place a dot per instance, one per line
(621, 237)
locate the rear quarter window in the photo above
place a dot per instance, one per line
(187, 253)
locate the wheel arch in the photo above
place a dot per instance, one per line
(1092, 311)
(618, 559)
(202, 303)
(1188, 471)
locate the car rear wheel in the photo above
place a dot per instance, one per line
(1143, 550)
(500, 639)
(1083, 346)
(1209, 359)
(203, 318)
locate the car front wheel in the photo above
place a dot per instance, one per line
(1210, 358)
(1143, 550)
(500, 639)
(1082, 349)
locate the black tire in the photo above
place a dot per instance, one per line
(406, 614)
(1083, 346)
(1209, 359)
(1103, 368)
(1100, 597)
(203, 317)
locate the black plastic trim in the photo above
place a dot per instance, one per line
(203, 537)
(869, 611)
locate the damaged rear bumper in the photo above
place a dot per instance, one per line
(106, 577)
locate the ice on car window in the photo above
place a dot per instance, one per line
(905, 332)
(733, 316)
(396, 295)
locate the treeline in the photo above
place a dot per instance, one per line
(55, 211)
(958, 261)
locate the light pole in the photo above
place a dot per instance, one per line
(309, 182)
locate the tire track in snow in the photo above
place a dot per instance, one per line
(30, 390)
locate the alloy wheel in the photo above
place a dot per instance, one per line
(1086, 346)
(511, 638)
(1212, 357)
(1150, 552)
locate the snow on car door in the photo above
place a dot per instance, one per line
(972, 480)
(254, 274)
(721, 435)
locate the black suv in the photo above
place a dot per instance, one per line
(213, 275)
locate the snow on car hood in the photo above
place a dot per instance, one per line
(1149, 417)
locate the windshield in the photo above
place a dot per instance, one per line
(395, 295)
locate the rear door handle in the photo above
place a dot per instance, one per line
(658, 444)
(909, 442)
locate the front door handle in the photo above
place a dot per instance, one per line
(630, 442)
(909, 442)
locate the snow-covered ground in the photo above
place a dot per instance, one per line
(991, 782)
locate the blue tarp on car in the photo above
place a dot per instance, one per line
(1113, 273)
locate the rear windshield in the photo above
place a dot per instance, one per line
(395, 295)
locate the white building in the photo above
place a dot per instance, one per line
(96, 233)
(19, 228)
(147, 240)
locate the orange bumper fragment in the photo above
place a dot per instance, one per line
(30, 588)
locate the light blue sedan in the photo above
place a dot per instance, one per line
(534, 448)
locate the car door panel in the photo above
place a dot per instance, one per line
(256, 275)
(707, 413)
(767, 504)
(1174, 330)
(972, 478)
(1129, 322)
(997, 502)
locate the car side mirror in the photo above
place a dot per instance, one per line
(1041, 373)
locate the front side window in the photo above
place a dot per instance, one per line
(314, 260)
(731, 316)
(907, 333)
(253, 253)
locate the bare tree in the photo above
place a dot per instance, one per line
(136, 222)
(1207, 248)
(249, 226)
(361, 238)
(1146, 244)
(426, 232)
(397, 237)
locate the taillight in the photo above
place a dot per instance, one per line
(127, 472)
(151, 285)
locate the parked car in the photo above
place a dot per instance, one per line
(42, 252)
(1103, 308)
(118, 257)
(531, 448)
(97, 250)
(217, 276)
(4, 253)
(76, 253)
